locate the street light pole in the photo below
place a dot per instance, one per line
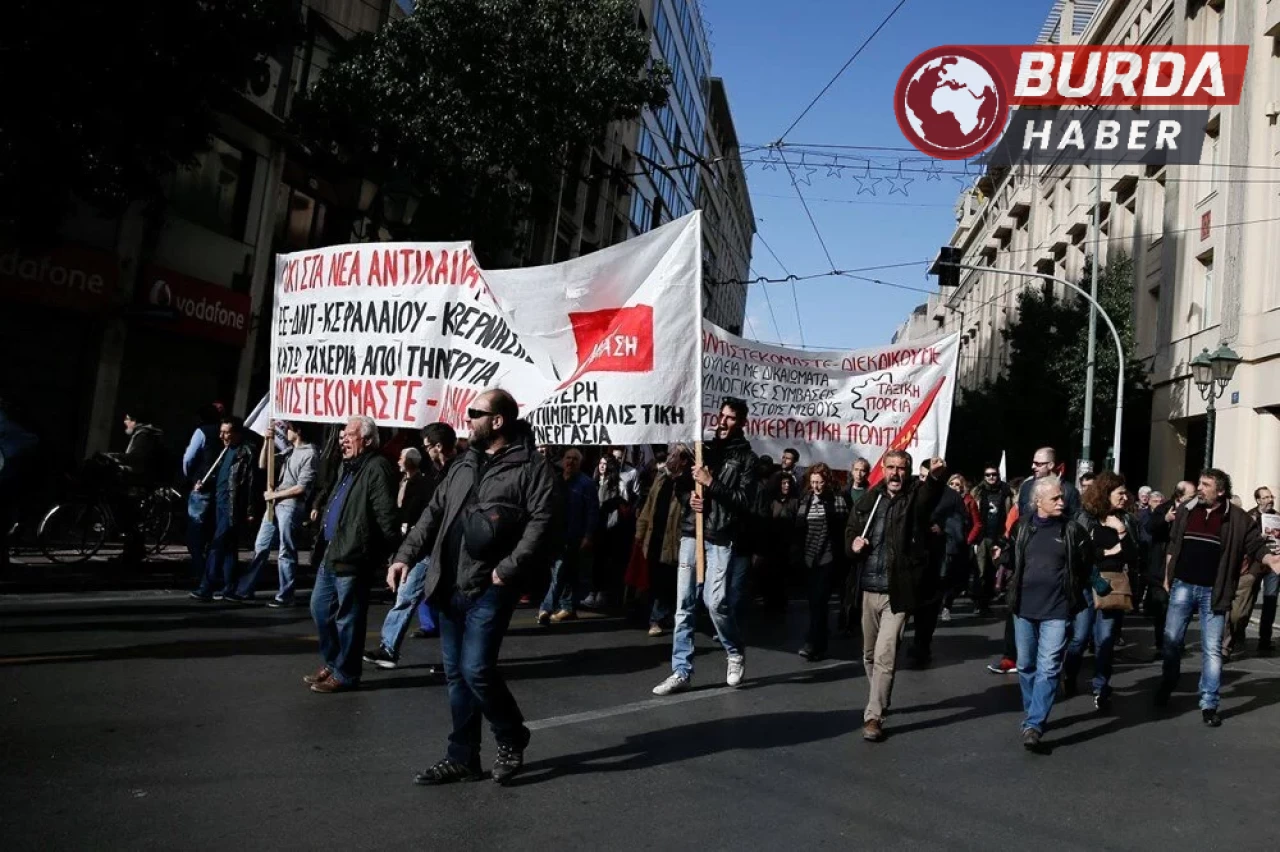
(1210, 425)
(1086, 451)
(1115, 335)
(1212, 372)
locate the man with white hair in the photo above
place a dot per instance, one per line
(1053, 560)
(360, 526)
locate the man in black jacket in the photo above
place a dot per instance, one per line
(888, 537)
(1156, 604)
(727, 503)
(359, 522)
(995, 499)
(489, 525)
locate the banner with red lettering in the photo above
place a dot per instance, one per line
(602, 349)
(401, 332)
(835, 407)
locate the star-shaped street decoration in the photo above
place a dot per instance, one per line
(835, 170)
(866, 183)
(900, 183)
(933, 170)
(803, 173)
(770, 163)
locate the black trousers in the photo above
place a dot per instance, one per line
(1157, 607)
(823, 581)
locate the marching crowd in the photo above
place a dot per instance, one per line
(465, 531)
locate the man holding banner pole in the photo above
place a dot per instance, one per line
(723, 508)
(888, 538)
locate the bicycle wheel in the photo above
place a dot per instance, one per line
(157, 519)
(72, 532)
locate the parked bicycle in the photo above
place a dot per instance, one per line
(76, 529)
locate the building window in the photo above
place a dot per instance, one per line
(300, 220)
(1209, 159)
(214, 192)
(1209, 293)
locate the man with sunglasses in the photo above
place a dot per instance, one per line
(995, 500)
(489, 524)
(1043, 464)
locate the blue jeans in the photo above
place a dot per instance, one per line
(199, 519)
(1184, 600)
(396, 624)
(340, 609)
(721, 591)
(223, 554)
(1041, 648)
(1101, 627)
(281, 531)
(562, 594)
(471, 632)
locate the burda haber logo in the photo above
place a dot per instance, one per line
(1075, 104)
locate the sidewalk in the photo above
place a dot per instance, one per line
(31, 572)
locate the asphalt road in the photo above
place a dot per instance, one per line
(142, 721)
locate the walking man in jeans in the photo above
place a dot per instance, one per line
(298, 470)
(488, 526)
(360, 527)
(728, 480)
(1208, 543)
(441, 444)
(1053, 560)
(888, 537)
(228, 482)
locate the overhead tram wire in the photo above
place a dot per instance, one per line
(791, 279)
(843, 68)
(773, 317)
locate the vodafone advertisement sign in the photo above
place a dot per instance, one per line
(68, 276)
(203, 309)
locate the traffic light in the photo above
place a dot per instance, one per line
(944, 266)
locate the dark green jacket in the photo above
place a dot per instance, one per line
(368, 528)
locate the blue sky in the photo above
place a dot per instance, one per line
(774, 57)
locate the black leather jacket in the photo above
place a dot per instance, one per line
(730, 501)
(1080, 562)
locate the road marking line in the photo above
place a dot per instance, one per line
(655, 703)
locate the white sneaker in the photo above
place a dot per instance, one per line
(737, 668)
(676, 683)
(946, 615)
(589, 602)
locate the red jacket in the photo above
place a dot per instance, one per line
(975, 519)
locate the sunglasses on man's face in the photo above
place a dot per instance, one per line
(477, 414)
(991, 475)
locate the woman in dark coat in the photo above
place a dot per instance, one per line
(820, 523)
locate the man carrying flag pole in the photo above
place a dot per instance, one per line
(888, 539)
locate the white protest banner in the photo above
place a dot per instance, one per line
(835, 406)
(618, 332)
(401, 332)
(410, 333)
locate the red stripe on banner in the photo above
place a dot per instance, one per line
(907, 433)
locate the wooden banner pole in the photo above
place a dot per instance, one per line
(271, 467)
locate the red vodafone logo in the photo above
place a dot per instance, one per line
(951, 103)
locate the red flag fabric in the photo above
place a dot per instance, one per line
(908, 431)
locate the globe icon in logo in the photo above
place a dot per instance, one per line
(949, 104)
